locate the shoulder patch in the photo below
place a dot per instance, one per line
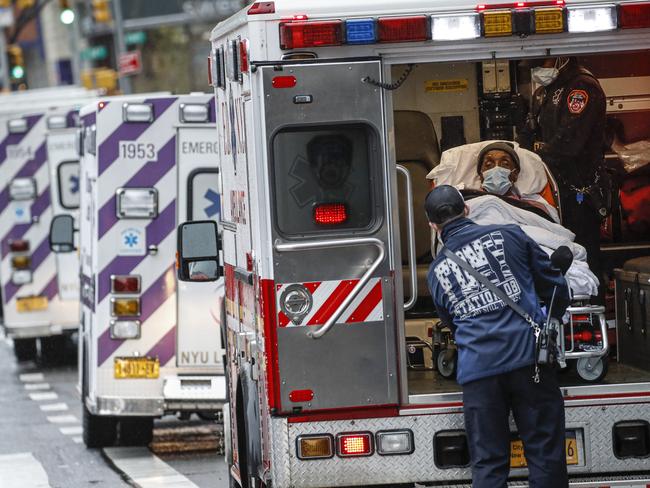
(577, 101)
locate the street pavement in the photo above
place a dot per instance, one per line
(41, 444)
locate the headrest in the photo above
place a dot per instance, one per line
(415, 138)
(458, 168)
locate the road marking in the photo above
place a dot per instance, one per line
(22, 470)
(54, 407)
(31, 377)
(63, 419)
(73, 430)
(77, 439)
(40, 397)
(145, 469)
(37, 386)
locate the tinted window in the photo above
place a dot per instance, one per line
(324, 168)
(204, 201)
(68, 175)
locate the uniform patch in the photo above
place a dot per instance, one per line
(577, 101)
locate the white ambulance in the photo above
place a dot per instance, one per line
(331, 114)
(39, 179)
(147, 347)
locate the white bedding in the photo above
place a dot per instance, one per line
(489, 209)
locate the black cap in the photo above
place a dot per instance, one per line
(443, 204)
(498, 146)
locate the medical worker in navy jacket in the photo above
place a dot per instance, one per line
(496, 346)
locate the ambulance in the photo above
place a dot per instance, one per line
(331, 114)
(39, 179)
(147, 346)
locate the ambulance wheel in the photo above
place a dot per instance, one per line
(25, 349)
(136, 431)
(98, 431)
(447, 362)
(592, 370)
(53, 349)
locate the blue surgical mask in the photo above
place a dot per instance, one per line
(497, 180)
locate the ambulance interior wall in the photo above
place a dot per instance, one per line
(424, 92)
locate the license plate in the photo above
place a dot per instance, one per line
(31, 304)
(136, 368)
(518, 460)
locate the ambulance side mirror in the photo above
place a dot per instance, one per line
(198, 251)
(62, 234)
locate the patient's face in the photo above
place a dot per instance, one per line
(500, 158)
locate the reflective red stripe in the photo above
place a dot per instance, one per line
(283, 320)
(368, 304)
(267, 307)
(335, 299)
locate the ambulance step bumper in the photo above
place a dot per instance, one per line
(194, 392)
(36, 331)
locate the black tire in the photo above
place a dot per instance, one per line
(25, 349)
(98, 431)
(53, 349)
(592, 370)
(447, 362)
(136, 431)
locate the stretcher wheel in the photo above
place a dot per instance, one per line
(592, 370)
(447, 361)
(25, 349)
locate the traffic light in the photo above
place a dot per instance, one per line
(102, 11)
(23, 4)
(16, 62)
(67, 14)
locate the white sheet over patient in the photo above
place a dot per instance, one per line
(489, 209)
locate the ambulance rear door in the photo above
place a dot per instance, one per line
(332, 260)
(199, 304)
(63, 159)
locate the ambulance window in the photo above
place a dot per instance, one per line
(325, 178)
(203, 199)
(68, 182)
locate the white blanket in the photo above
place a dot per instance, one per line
(489, 210)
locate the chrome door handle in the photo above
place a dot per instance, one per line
(331, 243)
(413, 266)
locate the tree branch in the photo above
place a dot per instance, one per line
(25, 17)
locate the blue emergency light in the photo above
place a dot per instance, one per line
(360, 31)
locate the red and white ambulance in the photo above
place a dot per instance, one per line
(331, 114)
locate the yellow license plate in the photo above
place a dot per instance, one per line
(31, 304)
(136, 368)
(517, 459)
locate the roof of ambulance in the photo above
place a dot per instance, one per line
(91, 106)
(364, 8)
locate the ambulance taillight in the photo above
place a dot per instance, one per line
(354, 445)
(294, 35)
(21, 262)
(592, 19)
(330, 213)
(634, 15)
(125, 307)
(319, 446)
(403, 29)
(125, 284)
(19, 245)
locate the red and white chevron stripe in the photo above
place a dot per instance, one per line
(368, 305)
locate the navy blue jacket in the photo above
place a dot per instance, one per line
(491, 337)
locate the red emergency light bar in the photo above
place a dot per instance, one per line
(262, 8)
(496, 6)
(295, 35)
(330, 213)
(634, 15)
(403, 29)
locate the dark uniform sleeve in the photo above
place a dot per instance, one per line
(546, 278)
(441, 309)
(527, 132)
(581, 107)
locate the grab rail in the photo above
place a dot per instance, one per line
(333, 243)
(413, 265)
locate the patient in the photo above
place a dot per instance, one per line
(498, 168)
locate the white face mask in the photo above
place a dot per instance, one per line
(544, 76)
